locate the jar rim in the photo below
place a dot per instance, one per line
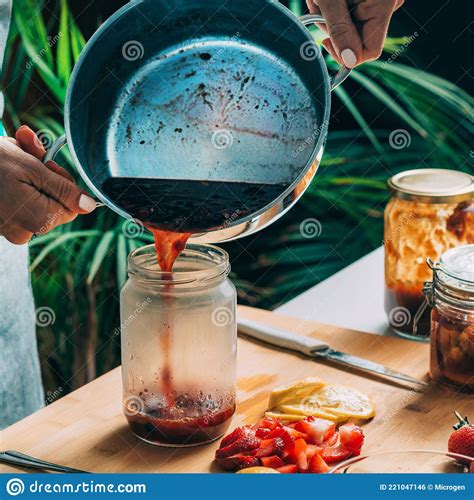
(451, 283)
(432, 185)
(200, 264)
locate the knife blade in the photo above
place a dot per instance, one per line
(314, 348)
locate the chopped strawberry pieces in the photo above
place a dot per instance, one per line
(288, 469)
(317, 430)
(238, 462)
(273, 462)
(317, 465)
(309, 445)
(243, 441)
(268, 447)
(351, 437)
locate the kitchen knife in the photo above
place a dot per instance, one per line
(315, 348)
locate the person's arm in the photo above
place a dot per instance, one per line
(34, 197)
(357, 28)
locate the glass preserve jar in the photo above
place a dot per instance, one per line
(179, 342)
(431, 211)
(451, 295)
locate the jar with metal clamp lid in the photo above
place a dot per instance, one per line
(451, 296)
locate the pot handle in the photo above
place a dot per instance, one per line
(344, 72)
(59, 143)
(55, 147)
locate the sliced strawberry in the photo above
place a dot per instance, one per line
(294, 434)
(317, 464)
(237, 433)
(334, 454)
(237, 462)
(284, 435)
(317, 429)
(288, 469)
(268, 423)
(268, 447)
(332, 440)
(298, 454)
(312, 449)
(263, 432)
(273, 462)
(243, 441)
(351, 437)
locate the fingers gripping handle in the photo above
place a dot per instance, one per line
(57, 145)
(344, 72)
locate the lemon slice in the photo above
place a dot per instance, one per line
(257, 470)
(311, 396)
(345, 402)
(302, 388)
(305, 410)
(284, 416)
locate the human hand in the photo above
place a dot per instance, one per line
(357, 28)
(34, 197)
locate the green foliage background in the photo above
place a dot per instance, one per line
(78, 269)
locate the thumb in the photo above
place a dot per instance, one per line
(29, 142)
(342, 31)
(66, 192)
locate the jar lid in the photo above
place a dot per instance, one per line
(453, 278)
(433, 185)
(458, 263)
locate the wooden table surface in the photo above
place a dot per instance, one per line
(86, 429)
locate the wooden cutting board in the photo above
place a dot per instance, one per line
(86, 429)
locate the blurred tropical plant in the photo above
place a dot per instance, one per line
(78, 269)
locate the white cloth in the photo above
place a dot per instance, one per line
(21, 391)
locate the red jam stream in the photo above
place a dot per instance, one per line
(185, 419)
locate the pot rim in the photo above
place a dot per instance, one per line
(241, 226)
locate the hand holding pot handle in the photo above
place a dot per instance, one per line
(58, 144)
(344, 72)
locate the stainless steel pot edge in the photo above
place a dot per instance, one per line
(266, 215)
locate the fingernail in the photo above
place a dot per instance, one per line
(349, 58)
(86, 203)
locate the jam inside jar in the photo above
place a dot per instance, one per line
(431, 211)
(179, 340)
(452, 319)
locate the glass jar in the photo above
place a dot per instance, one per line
(179, 342)
(431, 211)
(451, 294)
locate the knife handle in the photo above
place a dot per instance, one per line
(279, 337)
